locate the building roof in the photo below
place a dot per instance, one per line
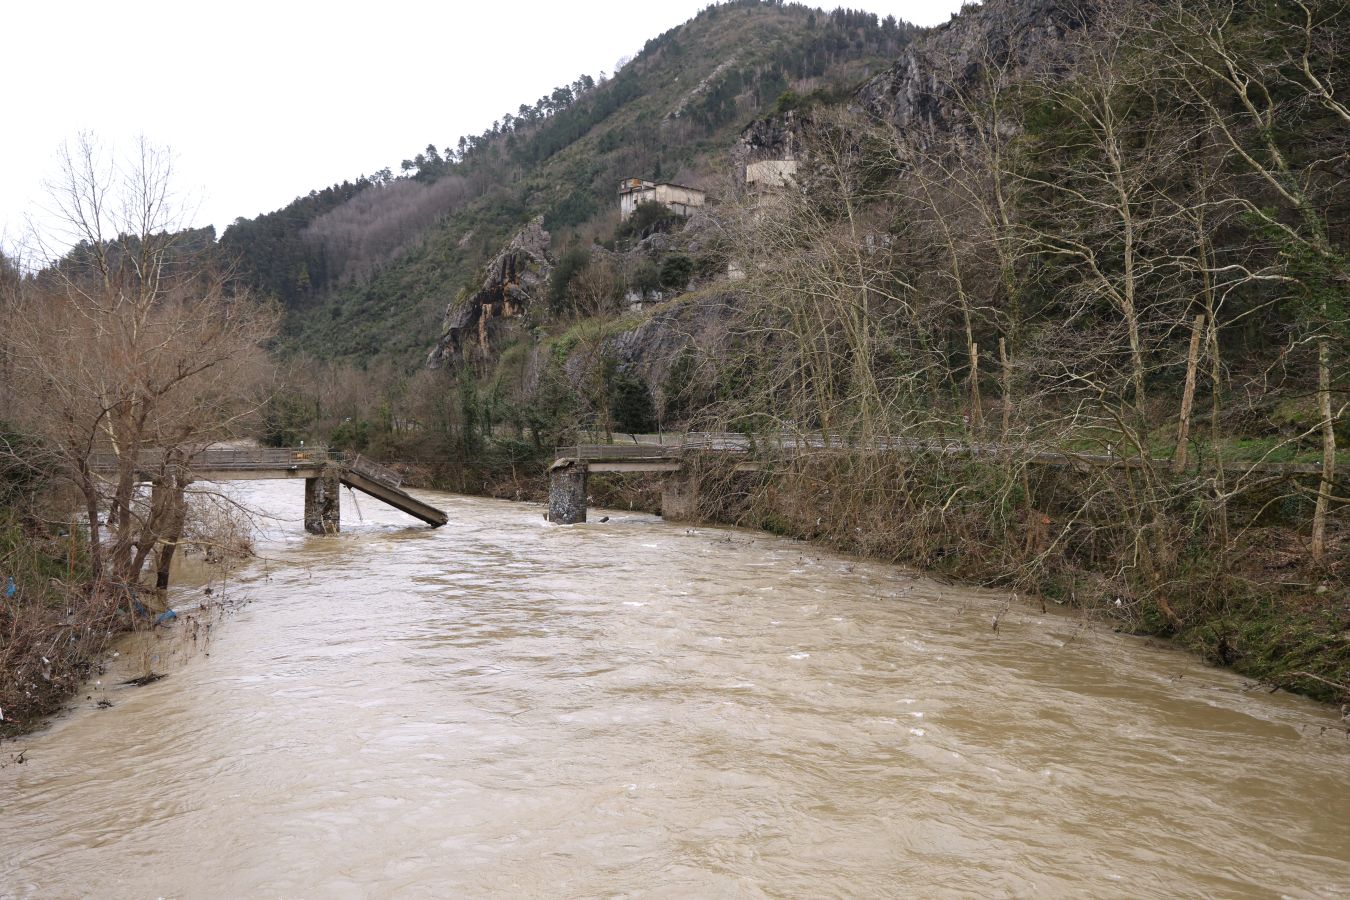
(628, 185)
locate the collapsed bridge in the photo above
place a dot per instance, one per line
(324, 472)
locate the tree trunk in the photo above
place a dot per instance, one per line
(1006, 365)
(173, 533)
(1188, 395)
(1319, 532)
(976, 406)
(91, 507)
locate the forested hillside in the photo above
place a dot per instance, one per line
(1083, 228)
(367, 268)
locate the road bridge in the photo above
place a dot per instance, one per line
(323, 471)
(669, 455)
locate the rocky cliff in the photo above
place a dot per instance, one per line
(516, 278)
(1014, 38)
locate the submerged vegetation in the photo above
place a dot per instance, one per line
(122, 358)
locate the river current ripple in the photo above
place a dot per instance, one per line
(501, 707)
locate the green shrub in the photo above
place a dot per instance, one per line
(676, 271)
(631, 406)
(572, 262)
(351, 434)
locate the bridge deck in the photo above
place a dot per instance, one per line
(395, 497)
(255, 463)
(663, 453)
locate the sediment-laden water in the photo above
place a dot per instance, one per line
(633, 709)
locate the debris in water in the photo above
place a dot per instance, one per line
(167, 616)
(143, 680)
(604, 519)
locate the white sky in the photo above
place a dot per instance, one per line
(263, 101)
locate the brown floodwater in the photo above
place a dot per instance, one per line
(501, 707)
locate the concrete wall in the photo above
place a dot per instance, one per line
(771, 173)
(679, 198)
(679, 497)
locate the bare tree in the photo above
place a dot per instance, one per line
(129, 353)
(379, 224)
(1249, 96)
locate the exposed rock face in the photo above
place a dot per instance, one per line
(653, 346)
(1019, 37)
(517, 276)
(920, 91)
(770, 139)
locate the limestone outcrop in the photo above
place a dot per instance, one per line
(516, 278)
(771, 141)
(1016, 37)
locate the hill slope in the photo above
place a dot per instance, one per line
(366, 269)
(1051, 225)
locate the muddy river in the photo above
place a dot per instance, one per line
(501, 707)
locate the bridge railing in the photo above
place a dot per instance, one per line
(584, 452)
(261, 458)
(258, 458)
(799, 443)
(368, 468)
(222, 460)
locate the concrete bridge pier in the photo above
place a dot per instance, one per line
(323, 504)
(567, 493)
(679, 497)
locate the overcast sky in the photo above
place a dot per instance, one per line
(262, 101)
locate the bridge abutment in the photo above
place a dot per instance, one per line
(679, 497)
(323, 503)
(567, 494)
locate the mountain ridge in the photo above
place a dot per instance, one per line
(561, 159)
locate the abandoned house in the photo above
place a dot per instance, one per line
(676, 197)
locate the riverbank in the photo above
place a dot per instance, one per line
(1261, 611)
(578, 711)
(54, 626)
(58, 626)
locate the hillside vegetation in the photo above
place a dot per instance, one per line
(1090, 229)
(367, 268)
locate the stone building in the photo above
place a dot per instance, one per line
(771, 173)
(769, 152)
(678, 198)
